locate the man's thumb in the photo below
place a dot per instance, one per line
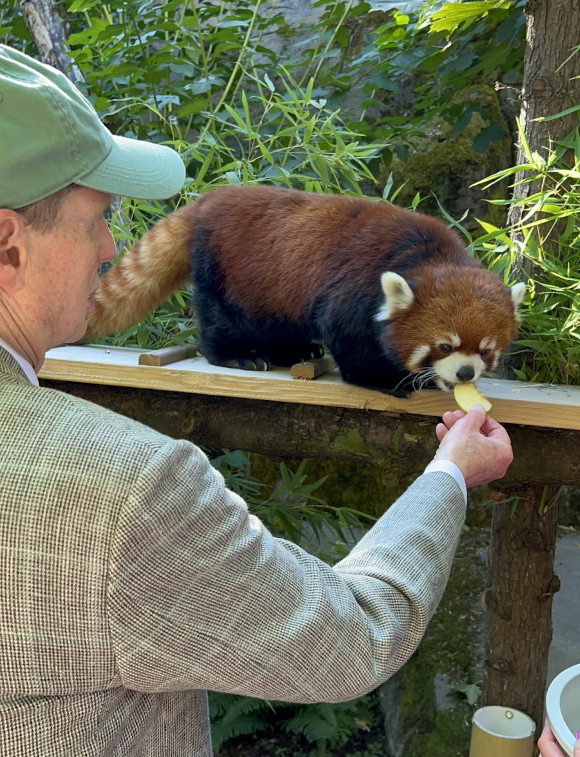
(476, 416)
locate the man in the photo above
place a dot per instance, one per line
(132, 579)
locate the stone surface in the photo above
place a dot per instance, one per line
(565, 647)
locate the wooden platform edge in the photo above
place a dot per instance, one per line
(513, 402)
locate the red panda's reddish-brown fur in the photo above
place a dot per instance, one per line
(275, 256)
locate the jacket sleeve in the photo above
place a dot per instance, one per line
(201, 595)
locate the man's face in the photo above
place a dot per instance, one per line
(63, 266)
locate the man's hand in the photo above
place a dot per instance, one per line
(478, 445)
(548, 745)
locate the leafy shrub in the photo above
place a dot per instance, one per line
(544, 247)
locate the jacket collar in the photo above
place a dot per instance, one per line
(10, 366)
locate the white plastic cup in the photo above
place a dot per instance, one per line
(501, 732)
(563, 707)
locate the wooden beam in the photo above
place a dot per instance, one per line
(513, 402)
(401, 444)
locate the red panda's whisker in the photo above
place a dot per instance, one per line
(404, 380)
(423, 378)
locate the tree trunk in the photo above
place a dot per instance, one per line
(46, 24)
(521, 584)
(549, 84)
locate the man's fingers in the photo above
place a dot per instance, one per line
(493, 429)
(440, 430)
(450, 418)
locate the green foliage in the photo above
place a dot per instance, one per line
(322, 726)
(203, 78)
(233, 715)
(455, 15)
(291, 509)
(546, 249)
(330, 725)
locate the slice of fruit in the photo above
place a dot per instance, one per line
(466, 395)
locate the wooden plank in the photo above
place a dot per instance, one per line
(513, 401)
(167, 355)
(311, 369)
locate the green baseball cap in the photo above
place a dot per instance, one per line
(51, 136)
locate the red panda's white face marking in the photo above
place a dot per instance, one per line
(453, 326)
(418, 356)
(458, 368)
(458, 365)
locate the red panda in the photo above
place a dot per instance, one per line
(394, 295)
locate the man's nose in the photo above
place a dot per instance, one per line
(107, 247)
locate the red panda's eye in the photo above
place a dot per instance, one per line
(484, 353)
(446, 348)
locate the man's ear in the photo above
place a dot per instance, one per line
(13, 254)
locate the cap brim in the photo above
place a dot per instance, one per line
(138, 169)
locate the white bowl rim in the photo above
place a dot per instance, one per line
(555, 718)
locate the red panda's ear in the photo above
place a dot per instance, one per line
(398, 295)
(518, 292)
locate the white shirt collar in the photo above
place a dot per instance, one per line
(22, 362)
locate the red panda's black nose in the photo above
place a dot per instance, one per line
(465, 373)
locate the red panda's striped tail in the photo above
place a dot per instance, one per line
(145, 277)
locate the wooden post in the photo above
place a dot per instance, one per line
(521, 584)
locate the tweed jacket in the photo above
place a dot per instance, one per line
(132, 581)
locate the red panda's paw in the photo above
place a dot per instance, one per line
(256, 364)
(246, 364)
(313, 352)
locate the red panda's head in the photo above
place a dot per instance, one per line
(451, 323)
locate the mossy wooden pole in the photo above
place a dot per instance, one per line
(521, 584)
